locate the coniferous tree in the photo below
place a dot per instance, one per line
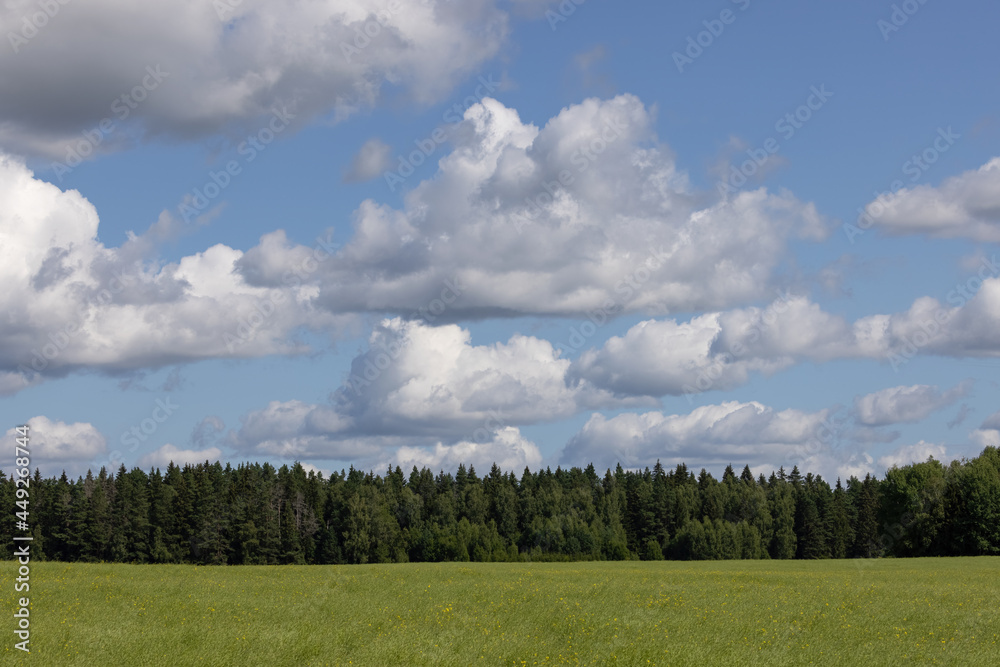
(7, 508)
(782, 507)
(867, 538)
(255, 514)
(840, 529)
(130, 542)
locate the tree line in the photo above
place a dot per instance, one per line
(257, 514)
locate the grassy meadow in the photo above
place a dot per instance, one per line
(886, 612)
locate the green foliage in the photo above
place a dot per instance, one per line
(258, 515)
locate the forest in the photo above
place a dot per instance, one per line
(259, 514)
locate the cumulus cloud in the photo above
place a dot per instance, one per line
(75, 303)
(988, 433)
(439, 378)
(226, 65)
(319, 471)
(13, 382)
(56, 446)
(964, 206)
(588, 217)
(917, 453)
(732, 432)
(507, 448)
(667, 357)
(168, 453)
(372, 159)
(898, 405)
(720, 350)
(967, 326)
(993, 421)
(589, 213)
(426, 384)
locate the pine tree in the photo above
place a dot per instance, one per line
(841, 532)
(7, 508)
(867, 539)
(782, 506)
(130, 510)
(97, 526)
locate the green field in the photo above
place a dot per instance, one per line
(887, 612)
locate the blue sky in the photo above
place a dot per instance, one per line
(633, 233)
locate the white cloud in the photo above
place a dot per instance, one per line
(917, 453)
(372, 159)
(13, 382)
(986, 437)
(658, 358)
(79, 304)
(56, 446)
(988, 433)
(162, 457)
(435, 379)
(507, 448)
(588, 213)
(425, 383)
(455, 251)
(718, 351)
(910, 404)
(228, 63)
(964, 206)
(993, 421)
(969, 328)
(732, 432)
(308, 467)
